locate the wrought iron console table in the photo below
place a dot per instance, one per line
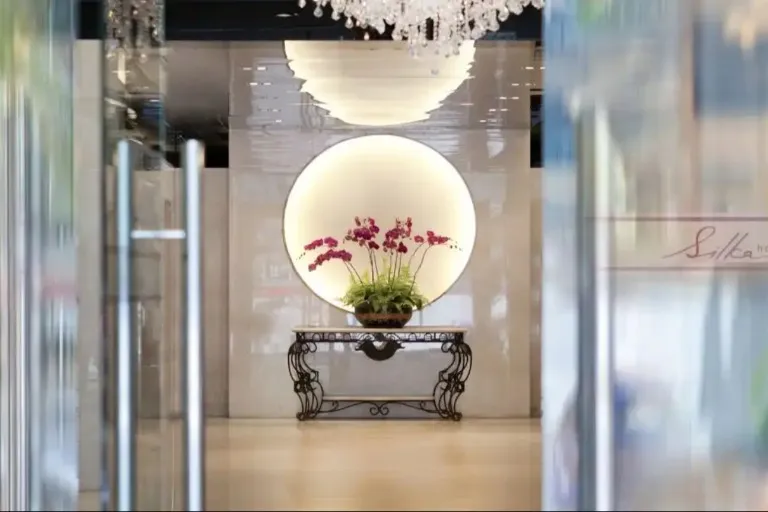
(379, 345)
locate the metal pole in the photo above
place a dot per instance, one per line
(125, 435)
(6, 165)
(605, 300)
(13, 301)
(192, 388)
(35, 228)
(19, 280)
(595, 302)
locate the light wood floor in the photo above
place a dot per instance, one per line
(361, 465)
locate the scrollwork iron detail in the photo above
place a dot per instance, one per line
(306, 380)
(379, 346)
(451, 381)
(380, 407)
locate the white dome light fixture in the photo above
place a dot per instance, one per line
(384, 177)
(376, 83)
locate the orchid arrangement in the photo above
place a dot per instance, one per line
(385, 283)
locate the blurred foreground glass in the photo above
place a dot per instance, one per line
(658, 109)
(38, 400)
(144, 460)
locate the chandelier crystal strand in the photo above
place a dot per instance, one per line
(134, 25)
(451, 22)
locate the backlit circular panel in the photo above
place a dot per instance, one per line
(384, 177)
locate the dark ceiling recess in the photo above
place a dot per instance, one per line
(267, 20)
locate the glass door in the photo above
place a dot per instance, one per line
(153, 360)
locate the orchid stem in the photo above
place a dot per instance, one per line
(353, 269)
(372, 261)
(413, 254)
(424, 255)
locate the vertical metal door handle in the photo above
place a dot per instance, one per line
(594, 303)
(604, 317)
(193, 384)
(125, 421)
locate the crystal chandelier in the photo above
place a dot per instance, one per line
(134, 25)
(437, 25)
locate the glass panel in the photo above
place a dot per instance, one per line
(680, 90)
(38, 302)
(156, 303)
(135, 94)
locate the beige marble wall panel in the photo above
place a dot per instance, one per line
(88, 164)
(492, 298)
(535, 303)
(160, 281)
(216, 285)
(155, 293)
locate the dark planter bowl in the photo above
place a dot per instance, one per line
(382, 320)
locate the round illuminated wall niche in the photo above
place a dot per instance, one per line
(383, 177)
